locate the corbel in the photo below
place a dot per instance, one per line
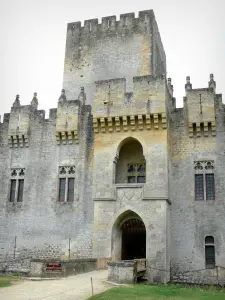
(117, 121)
(164, 125)
(102, 123)
(132, 122)
(156, 121)
(206, 129)
(125, 123)
(70, 137)
(110, 124)
(63, 135)
(213, 124)
(26, 140)
(20, 138)
(148, 121)
(198, 129)
(140, 122)
(15, 142)
(76, 136)
(95, 125)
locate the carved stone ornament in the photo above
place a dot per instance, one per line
(204, 165)
(66, 170)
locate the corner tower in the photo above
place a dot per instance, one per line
(125, 48)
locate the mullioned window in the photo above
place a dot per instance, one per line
(66, 183)
(16, 184)
(204, 180)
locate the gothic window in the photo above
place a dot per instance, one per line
(20, 190)
(17, 185)
(199, 187)
(136, 173)
(66, 183)
(210, 188)
(209, 252)
(70, 196)
(204, 180)
(62, 189)
(12, 190)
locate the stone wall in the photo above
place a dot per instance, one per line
(41, 225)
(191, 220)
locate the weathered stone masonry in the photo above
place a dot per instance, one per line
(116, 110)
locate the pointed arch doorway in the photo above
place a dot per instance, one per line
(128, 237)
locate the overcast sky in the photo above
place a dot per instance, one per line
(33, 36)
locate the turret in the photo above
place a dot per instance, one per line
(212, 83)
(188, 85)
(34, 102)
(170, 86)
(16, 103)
(62, 97)
(82, 96)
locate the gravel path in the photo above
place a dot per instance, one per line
(77, 287)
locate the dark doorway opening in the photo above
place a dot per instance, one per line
(133, 239)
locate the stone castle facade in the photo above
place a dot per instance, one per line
(116, 171)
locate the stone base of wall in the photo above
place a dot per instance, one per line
(215, 276)
(15, 266)
(68, 267)
(37, 267)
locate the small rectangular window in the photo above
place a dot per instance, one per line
(70, 196)
(62, 189)
(210, 257)
(12, 190)
(199, 187)
(210, 187)
(20, 190)
(131, 179)
(141, 179)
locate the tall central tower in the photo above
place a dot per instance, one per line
(113, 49)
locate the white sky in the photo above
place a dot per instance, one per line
(33, 36)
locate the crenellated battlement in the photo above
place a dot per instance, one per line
(126, 21)
(67, 117)
(146, 105)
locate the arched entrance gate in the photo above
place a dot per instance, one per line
(128, 237)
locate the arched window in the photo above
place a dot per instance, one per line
(209, 252)
(131, 166)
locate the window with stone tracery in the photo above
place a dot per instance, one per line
(204, 180)
(136, 173)
(66, 183)
(16, 185)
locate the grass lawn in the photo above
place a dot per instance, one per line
(8, 280)
(161, 292)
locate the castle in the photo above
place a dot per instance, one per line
(116, 172)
